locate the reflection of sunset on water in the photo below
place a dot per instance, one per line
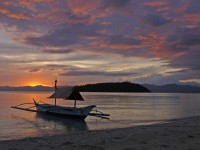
(126, 109)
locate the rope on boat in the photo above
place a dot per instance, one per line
(98, 114)
(43, 102)
(27, 109)
(23, 104)
(31, 107)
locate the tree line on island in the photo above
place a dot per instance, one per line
(112, 87)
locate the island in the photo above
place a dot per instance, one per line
(113, 87)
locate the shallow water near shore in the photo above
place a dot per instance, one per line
(126, 109)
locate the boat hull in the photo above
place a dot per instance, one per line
(77, 113)
(82, 117)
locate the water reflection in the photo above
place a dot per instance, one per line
(126, 109)
(57, 122)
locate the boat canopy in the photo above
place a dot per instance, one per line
(67, 93)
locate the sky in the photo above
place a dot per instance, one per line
(93, 41)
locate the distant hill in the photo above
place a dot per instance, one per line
(26, 88)
(113, 87)
(173, 88)
(99, 87)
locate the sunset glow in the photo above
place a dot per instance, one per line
(35, 84)
(94, 41)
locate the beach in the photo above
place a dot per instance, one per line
(177, 134)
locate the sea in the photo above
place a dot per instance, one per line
(125, 109)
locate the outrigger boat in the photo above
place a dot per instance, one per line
(67, 93)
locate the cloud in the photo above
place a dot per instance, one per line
(55, 66)
(96, 73)
(79, 7)
(184, 41)
(57, 51)
(155, 20)
(117, 6)
(116, 3)
(35, 70)
(194, 7)
(17, 16)
(190, 36)
(64, 35)
(84, 34)
(190, 61)
(181, 50)
(156, 3)
(119, 42)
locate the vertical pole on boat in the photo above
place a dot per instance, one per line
(75, 104)
(55, 88)
(75, 99)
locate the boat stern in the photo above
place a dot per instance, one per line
(86, 110)
(36, 104)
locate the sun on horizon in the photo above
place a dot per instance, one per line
(33, 84)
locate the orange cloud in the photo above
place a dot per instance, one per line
(156, 3)
(24, 2)
(119, 46)
(160, 6)
(80, 7)
(17, 16)
(159, 48)
(166, 51)
(31, 2)
(191, 17)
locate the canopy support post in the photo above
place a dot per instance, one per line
(75, 103)
(55, 87)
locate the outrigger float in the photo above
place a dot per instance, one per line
(67, 93)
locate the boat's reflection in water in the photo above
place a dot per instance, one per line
(60, 123)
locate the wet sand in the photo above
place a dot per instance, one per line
(182, 134)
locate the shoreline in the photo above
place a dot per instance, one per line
(178, 134)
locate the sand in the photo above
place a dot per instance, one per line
(182, 134)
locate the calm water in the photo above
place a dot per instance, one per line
(125, 109)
